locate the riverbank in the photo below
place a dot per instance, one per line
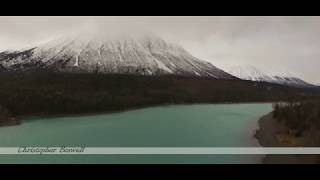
(19, 119)
(10, 122)
(271, 133)
(6, 119)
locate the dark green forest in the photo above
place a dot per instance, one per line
(299, 115)
(53, 94)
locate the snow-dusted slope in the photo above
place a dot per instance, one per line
(147, 55)
(276, 76)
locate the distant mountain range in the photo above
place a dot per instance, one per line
(145, 55)
(278, 77)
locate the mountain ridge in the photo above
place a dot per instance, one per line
(279, 77)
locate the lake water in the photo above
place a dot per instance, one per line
(208, 125)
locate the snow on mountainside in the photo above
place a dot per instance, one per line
(146, 55)
(276, 76)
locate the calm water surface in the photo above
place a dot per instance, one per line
(223, 125)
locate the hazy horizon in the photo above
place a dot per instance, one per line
(286, 43)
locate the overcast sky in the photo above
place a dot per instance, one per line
(289, 43)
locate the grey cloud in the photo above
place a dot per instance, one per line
(289, 42)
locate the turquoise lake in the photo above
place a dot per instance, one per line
(205, 125)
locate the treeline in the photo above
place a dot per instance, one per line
(298, 115)
(43, 94)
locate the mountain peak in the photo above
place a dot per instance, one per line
(96, 53)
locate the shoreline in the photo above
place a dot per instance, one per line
(17, 120)
(12, 121)
(270, 133)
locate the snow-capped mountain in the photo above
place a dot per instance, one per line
(146, 55)
(276, 76)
